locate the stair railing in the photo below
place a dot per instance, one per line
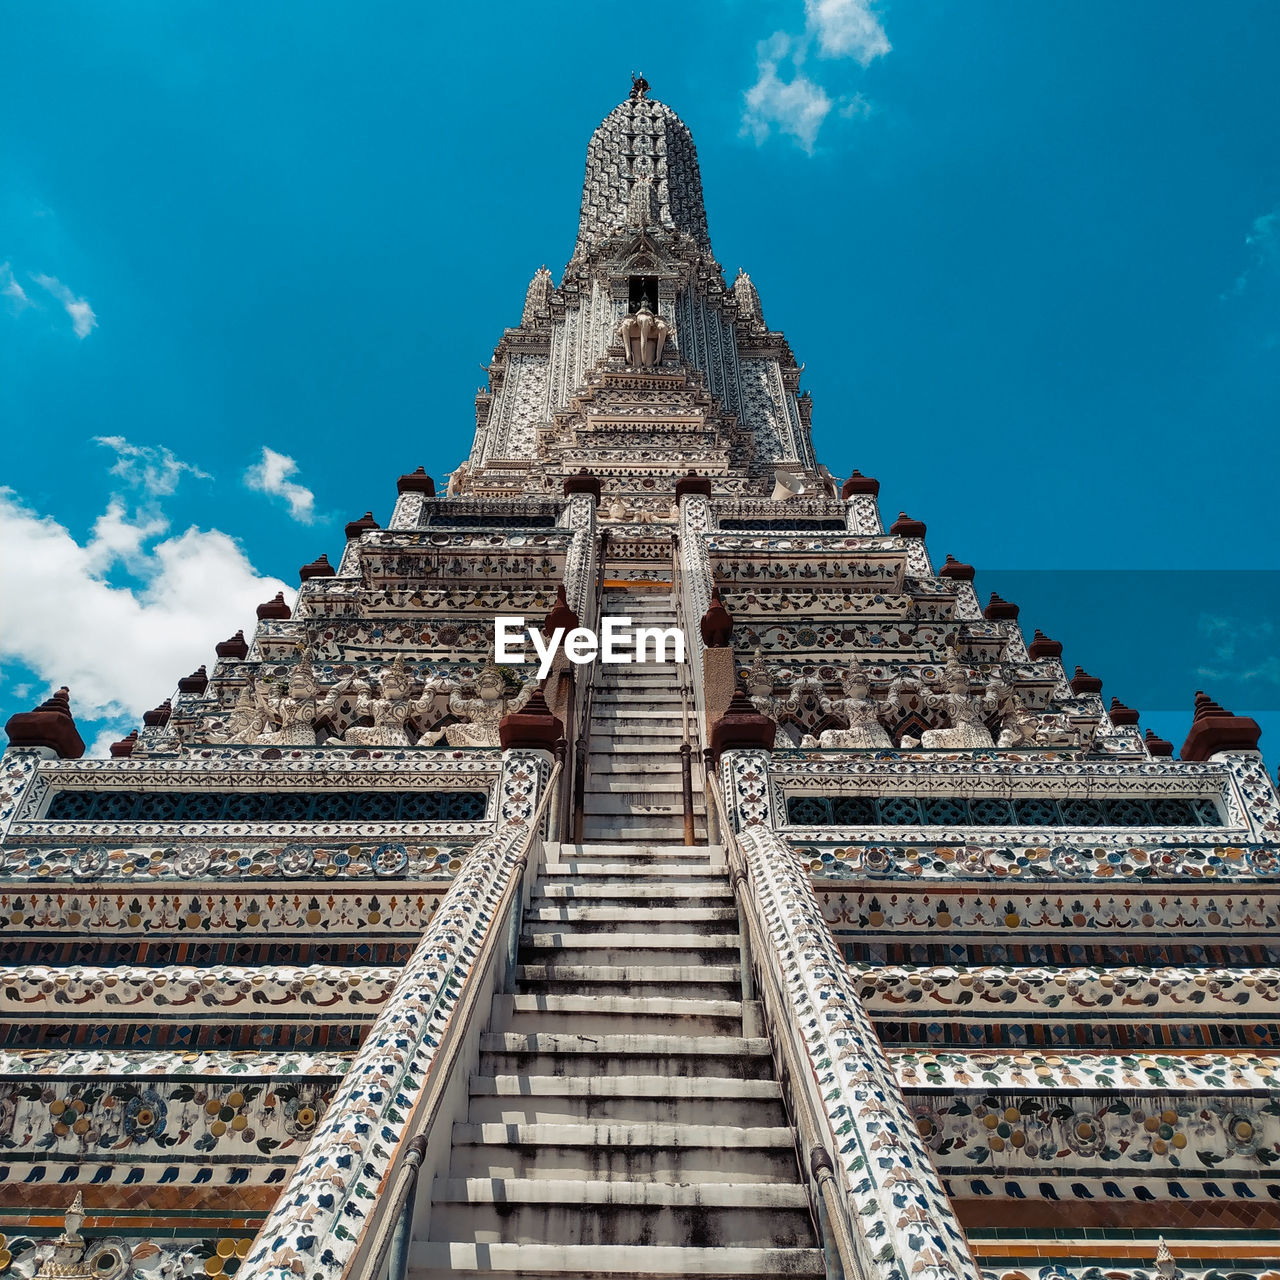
(386, 1256)
(687, 693)
(583, 704)
(846, 1254)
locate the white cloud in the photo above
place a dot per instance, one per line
(846, 29)
(271, 475)
(791, 101)
(83, 321)
(796, 107)
(1264, 238)
(100, 747)
(121, 649)
(1243, 649)
(1263, 243)
(156, 471)
(11, 289)
(117, 537)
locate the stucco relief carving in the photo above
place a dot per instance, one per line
(643, 336)
(482, 713)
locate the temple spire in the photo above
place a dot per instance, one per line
(641, 139)
(537, 300)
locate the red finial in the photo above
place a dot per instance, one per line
(1214, 729)
(999, 609)
(275, 608)
(50, 725)
(1120, 714)
(693, 483)
(235, 647)
(742, 727)
(357, 527)
(417, 482)
(532, 729)
(905, 527)
(957, 569)
(318, 568)
(717, 624)
(559, 615)
(1083, 682)
(1042, 647)
(158, 716)
(196, 682)
(858, 484)
(583, 482)
(1158, 746)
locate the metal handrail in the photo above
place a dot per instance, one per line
(582, 729)
(816, 1139)
(397, 1207)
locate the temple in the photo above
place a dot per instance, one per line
(855, 937)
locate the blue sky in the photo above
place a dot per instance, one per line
(1030, 255)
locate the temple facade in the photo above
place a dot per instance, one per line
(843, 931)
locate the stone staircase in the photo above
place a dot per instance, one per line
(633, 787)
(624, 1120)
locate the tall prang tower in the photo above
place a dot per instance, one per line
(853, 937)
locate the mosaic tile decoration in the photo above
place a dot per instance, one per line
(901, 1206)
(1146, 992)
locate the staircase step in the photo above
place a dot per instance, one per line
(624, 1152)
(603, 764)
(618, 675)
(636, 730)
(530, 1211)
(660, 1006)
(584, 871)
(699, 981)
(630, 754)
(627, 1045)
(615, 782)
(613, 813)
(625, 1099)
(510, 1053)
(638, 848)
(620, 696)
(600, 828)
(624, 708)
(578, 947)
(618, 917)
(679, 862)
(439, 1260)
(655, 895)
(629, 1086)
(538, 1013)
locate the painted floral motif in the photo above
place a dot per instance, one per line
(144, 1116)
(222, 1256)
(1130, 1134)
(88, 1118)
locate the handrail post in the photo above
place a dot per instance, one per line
(553, 813)
(579, 785)
(686, 787)
(407, 1187)
(710, 783)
